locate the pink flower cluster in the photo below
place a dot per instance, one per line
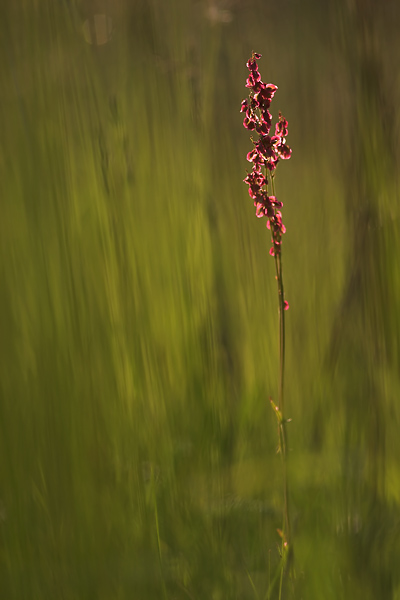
(267, 151)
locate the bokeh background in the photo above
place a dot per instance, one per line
(138, 304)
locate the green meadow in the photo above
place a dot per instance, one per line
(138, 302)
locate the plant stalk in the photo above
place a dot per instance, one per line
(282, 433)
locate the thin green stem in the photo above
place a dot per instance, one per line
(281, 403)
(286, 538)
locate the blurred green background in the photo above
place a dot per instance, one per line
(138, 304)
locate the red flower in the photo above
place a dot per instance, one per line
(249, 122)
(251, 63)
(267, 150)
(244, 105)
(281, 128)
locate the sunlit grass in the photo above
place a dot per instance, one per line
(138, 346)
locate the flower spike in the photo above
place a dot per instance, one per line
(267, 150)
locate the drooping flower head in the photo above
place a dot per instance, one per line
(267, 150)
